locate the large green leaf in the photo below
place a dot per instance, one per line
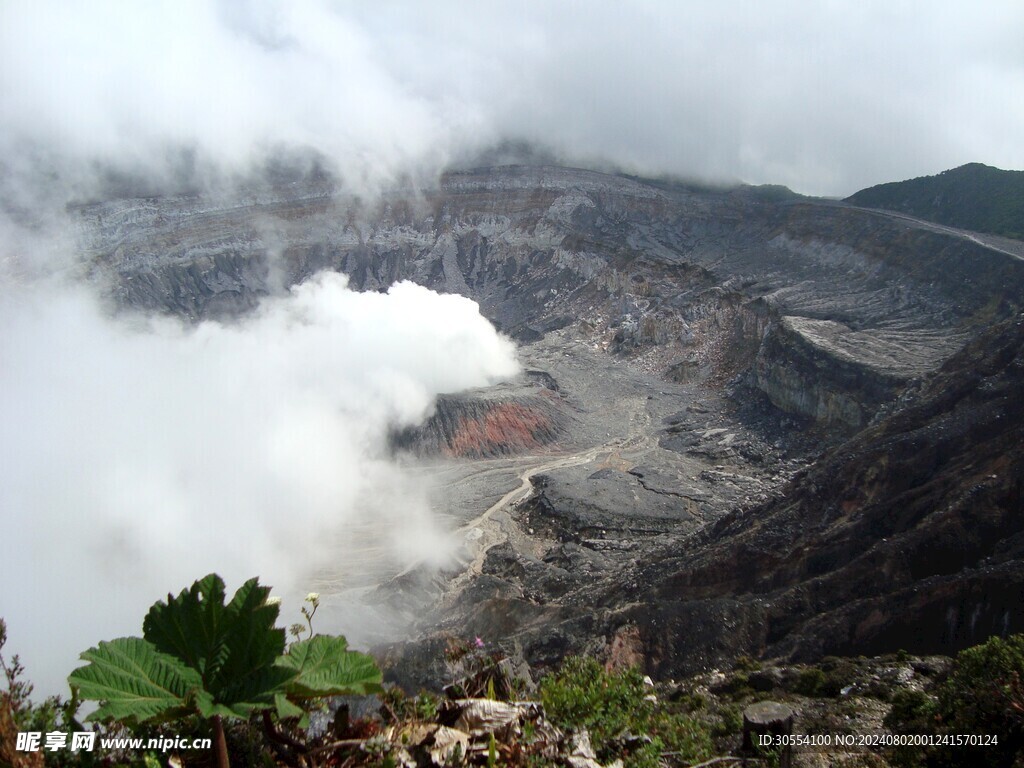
(254, 690)
(253, 642)
(233, 647)
(134, 681)
(286, 708)
(191, 625)
(323, 666)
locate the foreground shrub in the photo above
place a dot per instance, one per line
(622, 721)
(982, 696)
(18, 713)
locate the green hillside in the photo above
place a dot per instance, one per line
(974, 196)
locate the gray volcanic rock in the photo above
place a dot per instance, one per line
(694, 349)
(910, 535)
(835, 375)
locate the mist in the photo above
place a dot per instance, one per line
(140, 454)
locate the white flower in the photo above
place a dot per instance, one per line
(273, 601)
(313, 597)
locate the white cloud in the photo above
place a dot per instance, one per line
(826, 98)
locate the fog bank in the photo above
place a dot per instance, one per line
(140, 454)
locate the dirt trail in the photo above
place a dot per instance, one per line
(992, 242)
(483, 532)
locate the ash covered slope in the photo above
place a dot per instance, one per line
(910, 535)
(830, 310)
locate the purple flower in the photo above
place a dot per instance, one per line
(479, 643)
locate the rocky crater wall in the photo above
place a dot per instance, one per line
(861, 303)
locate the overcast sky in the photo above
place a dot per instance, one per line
(825, 97)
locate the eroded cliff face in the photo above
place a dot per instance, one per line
(487, 425)
(839, 377)
(856, 303)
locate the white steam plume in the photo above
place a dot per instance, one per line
(139, 456)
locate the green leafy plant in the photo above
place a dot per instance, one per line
(810, 682)
(492, 752)
(397, 707)
(730, 720)
(747, 664)
(911, 711)
(298, 629)
(199, 655)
